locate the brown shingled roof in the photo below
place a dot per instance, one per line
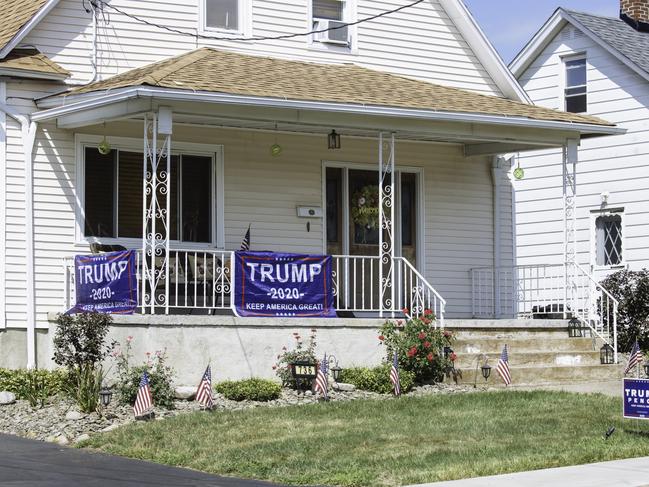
(14, 14)
(212, 70)
(33, 61)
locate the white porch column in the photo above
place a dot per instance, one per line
(570, 157)
(386, 223)
(156, 204)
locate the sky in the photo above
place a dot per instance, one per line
(509, 24)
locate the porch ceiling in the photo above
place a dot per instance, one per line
(254, 92)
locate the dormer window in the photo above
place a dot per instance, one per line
(331, 16)
(576, 89)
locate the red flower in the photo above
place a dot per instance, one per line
(453, 357)
(412, 352)
(421, 335)
(405, 311)
(430, 357)
(381, 337)
(428, 312)
(274, 367)
(426, 344)
(447, 334)
(399, 323)
(426, 321)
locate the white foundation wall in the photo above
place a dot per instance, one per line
(614, 164)
(420, 42)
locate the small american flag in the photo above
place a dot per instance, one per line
(204, 391)
(503, 367)
(394, 375)
(321, 382)
(245, 243)
(143, 401)
(635, 358)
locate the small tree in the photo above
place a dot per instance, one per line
(80, 346)
(631, 289)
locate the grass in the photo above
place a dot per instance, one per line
(389, 442)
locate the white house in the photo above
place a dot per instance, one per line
(230, 103)
(595, 65)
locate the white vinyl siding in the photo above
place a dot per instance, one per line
(419, 42)
(615, 164)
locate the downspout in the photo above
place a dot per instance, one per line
(28, 133)
(496, 166)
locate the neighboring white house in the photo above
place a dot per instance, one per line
(418, 92)
(597, 65)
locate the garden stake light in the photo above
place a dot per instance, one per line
(105, 395)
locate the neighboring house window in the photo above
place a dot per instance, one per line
(576, 92)
(113, 196)
(225, 15)
(608, 240)
(333, 15)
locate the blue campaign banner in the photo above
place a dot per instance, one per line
(636, 398)
(287, 285)
(106, 283)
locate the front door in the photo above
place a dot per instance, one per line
(352, 223)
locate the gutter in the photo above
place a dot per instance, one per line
(53, 109)
(28, 133)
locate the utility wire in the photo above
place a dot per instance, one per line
(259, 38)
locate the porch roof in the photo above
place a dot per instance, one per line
(31, 63)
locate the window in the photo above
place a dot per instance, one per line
(225, 15)
(332, 15)
(608, 240)
(575, 92)
(113, 196)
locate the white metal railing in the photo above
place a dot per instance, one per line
(545, 291)
(202, 279)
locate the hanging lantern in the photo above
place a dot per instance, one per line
(607, 355)
(275, 150)
(104, 147)
(574, 328)
(519, 173)
(333, 140)
(486, 371)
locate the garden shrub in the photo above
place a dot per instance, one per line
(419, 346)
(80, 346)
(35, 386)
(301, 352)
(631, 289)
(129, 376)
(377, 379)
(261, 390)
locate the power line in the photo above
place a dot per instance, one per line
(259, 38)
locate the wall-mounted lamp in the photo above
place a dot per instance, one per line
(333, 140)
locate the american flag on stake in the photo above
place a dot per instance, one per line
(245, 243)
(204, 391)
(321, 382)
(394, 375)
(503, 367)
(143, 401)
(635, 358)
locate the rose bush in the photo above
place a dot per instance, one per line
(301, 352)
(419, 346)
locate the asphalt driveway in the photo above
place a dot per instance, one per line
(32, 463)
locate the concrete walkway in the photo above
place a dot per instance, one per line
(633, 472)
(36, 464)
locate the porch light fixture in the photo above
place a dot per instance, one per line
(104, 147)
(105, 395)
(574, 328)
(333, 140)
(275, 149)
(519, 172)
(606, 355)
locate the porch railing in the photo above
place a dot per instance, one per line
(203, 279)
(545, 291)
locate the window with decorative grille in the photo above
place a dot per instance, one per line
(608, 240)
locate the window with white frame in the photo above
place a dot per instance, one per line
(331, 16)
(112, 205)
(576, 85)
(224, 15)
(608, 239)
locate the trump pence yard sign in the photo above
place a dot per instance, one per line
(280, 284)
(636, 398)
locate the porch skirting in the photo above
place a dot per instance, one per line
(236, 347)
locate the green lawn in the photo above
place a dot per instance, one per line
(391, 442)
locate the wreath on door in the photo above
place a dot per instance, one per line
(365, 207)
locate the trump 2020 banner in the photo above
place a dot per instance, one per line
(288, 285)
(636, 398)
(105, 283)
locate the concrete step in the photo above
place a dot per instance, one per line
(475, 345)
(538, 375)
(535, 358)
